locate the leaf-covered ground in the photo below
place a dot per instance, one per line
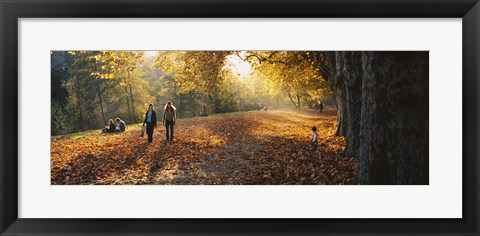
(261, 147)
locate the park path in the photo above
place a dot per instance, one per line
(261, 147)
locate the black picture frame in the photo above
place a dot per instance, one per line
(11, 11)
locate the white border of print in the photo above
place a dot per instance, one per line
(442, 198)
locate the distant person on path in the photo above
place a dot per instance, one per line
(321, 106)
(169, 118)
(121, 126)
(110, 128)
(151, 121)
(314, 140)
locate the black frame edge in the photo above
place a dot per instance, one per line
(471, 89)
(8, 123)
(240, 8)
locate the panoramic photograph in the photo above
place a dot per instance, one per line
(239, 118)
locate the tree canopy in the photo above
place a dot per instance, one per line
(98, 85)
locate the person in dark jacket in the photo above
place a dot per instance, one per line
(120, 125)
(110, 128)
(151, 121)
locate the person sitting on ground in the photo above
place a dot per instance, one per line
(110, 128)
(121, 126)
(314, 140)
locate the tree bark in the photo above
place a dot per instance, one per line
(128, 100)
(134, 118)
(101, 101)
(80, 125)
(291, 100)
(99, 92)
(394, 118)
(340, 95)
(298, 101)
(180, 106)
(352, 79)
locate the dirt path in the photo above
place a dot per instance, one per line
(262, 147)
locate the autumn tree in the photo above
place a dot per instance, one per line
(101, 85)
(291, 73)
(60, 61)
(231, 93)
(192, 71)
(95, 63)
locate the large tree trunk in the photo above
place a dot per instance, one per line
(134, 116)
(340, 95)
(128, 100)
(100, 100)
(80, 126)
(298, 101)
(99, 93)
(353, 86)
(394, 118)
(180, 106)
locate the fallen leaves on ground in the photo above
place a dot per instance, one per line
(252, 148)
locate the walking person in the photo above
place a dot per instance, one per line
(151, 121)
(169, 118)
